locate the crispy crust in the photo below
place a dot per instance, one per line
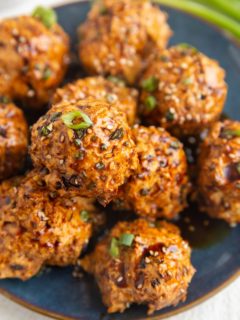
(41, 228)
(156, 270)
(33, 59)
(13, 140)
(161, 185)
(191, 90)
(219, 173)
(119, 41)
(101, 89)
(93, 162)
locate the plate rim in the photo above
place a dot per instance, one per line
(205, 297)
(182, 309)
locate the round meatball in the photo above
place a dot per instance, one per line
(160, 187)
(219, 172)
(13, 139)
(183, 90)
(88, 148)
(33, 59)
(42, 228)
(112, 91)
(119, 36)
(141, 263)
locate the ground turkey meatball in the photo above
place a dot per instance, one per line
(161, 185)
(118, 36)
(112, 90)
(219, 172)
(141, 263)
(42, 228)
(13, 139)
(183, 90)
(33, 58)
(88, 148)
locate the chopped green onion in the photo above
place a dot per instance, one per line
(228, 134)
(68, 118)
(47, 73)
(150, 103)
(84, 214)
(238, 168)
(170, 116)
(116, 80)
(150, 84)
(187, 46)
(46, 15)
(126, 239)
(211, 15)
(114, 249)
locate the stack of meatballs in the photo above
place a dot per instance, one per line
(113, 139)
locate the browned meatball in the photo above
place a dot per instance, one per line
(118, 36)
(33, 59)
(8, 192)
(219, 172)
(161, 185)
(42, 228)
(112, 91)
(141, 263)
(183, 90)
(13, 139)
(87, 146)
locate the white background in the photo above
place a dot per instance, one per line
(223, 306)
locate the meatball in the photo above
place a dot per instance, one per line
(112, 90)
(183, 90)
(160, 187)
(33, 59)
(88, 148)
(119, 36)
(219, 172)
(141, 263)
(13, 139)
(8, 192)
(42, 228)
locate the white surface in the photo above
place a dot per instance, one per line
(224, 306)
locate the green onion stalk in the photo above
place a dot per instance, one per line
(211, 11)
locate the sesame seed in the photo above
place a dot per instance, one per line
(120, 279)
(147, 260)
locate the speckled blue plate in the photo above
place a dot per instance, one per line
(216, 250)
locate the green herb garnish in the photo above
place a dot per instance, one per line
(228, 134)
(116, 80)
(126, 239)
(84, 214)
(69, 117)
(238, 167)
(150, 103)
(187, 81)
(170, 116)
(150, 84)
(44, 131)
(114, 249)
(46, 74)
(46, 15)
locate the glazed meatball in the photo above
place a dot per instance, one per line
(112, 90)
(42, 228)
(183, 90)
(88, 148)
(33, 59)
(160, 186)
(141, 263)
(13, 139)
(219, 172)
(119, 36)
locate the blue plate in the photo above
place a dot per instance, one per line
(216, 250)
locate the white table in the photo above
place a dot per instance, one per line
(223, 306)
